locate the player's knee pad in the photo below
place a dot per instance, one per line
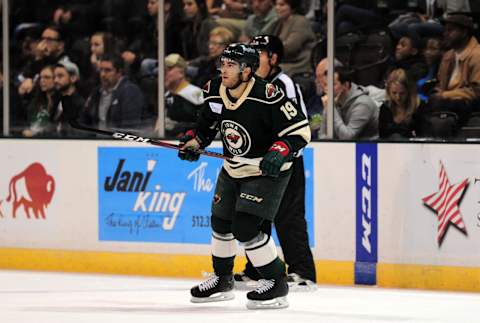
(246, 227)
(220, 225)
(224, 245)
(261, 250)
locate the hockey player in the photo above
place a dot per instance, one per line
(290, 220)
(255, 120)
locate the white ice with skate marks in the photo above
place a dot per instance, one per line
(71, 298)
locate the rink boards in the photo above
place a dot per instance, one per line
(393, 215)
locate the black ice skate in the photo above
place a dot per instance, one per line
(297, 283)
(270, 294)
(214, 289)
(244, 282)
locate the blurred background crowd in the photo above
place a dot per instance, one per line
(404, 70)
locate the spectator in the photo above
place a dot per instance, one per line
(315, 104)
(101, 43)
(236, 9)
(173, 23)
(198, 25)
(51, 50)
(297, 37)
(41, 107)
(408, 56)
(433, 55)
(182, 99)
(349, 17)
(355, 114)
(261, 22)
(117, 102)
(214, 7)
(71, 102)
(145, 46)
(458, 90)
(219, 38)
(75, 18)
(398, 115)
(233, 15)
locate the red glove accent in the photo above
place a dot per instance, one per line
(191, 133)
(281, 147)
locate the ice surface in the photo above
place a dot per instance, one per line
(37, 297)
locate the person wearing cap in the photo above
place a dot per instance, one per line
(117, 102)
(66, 76)
(458, 76)
(182, 99)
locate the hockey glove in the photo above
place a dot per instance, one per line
(277, 155)
(188, 144)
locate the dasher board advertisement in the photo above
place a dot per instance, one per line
(429, 204)
(149, 195)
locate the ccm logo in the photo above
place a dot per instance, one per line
(123, 136)
(366, 202)
(251, 198)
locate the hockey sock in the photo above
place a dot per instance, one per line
(224, 249)
(263, 254)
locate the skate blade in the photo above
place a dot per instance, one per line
(276, 303)
(217, 297)
(308, 288)
(249, 285)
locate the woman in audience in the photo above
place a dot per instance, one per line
(433, 55)
(101, 43)
(399, 115)
(42, 105)
(198, 25)
(297, 36)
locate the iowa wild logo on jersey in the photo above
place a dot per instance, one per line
(235, 137)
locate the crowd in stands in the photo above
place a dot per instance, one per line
(403, 69)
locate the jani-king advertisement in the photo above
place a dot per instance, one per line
(149, 195)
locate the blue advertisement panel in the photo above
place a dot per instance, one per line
(149, 195)
(366, 214)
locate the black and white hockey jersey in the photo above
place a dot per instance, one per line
(292, 91)
(251, 124)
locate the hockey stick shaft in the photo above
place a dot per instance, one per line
(131, 137)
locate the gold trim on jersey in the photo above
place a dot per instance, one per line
(267, 102)
(301, 128)
(238, 170)
(234, 106)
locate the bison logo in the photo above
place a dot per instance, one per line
(40, 187)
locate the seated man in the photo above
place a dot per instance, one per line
(355, 114)
(117, 102)
(459, 71)
(182, 99)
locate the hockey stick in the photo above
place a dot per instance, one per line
(131, 137)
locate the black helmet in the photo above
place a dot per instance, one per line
(271, 43)
(242, 53)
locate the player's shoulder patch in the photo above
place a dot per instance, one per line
(271, 90)
(206, 87)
